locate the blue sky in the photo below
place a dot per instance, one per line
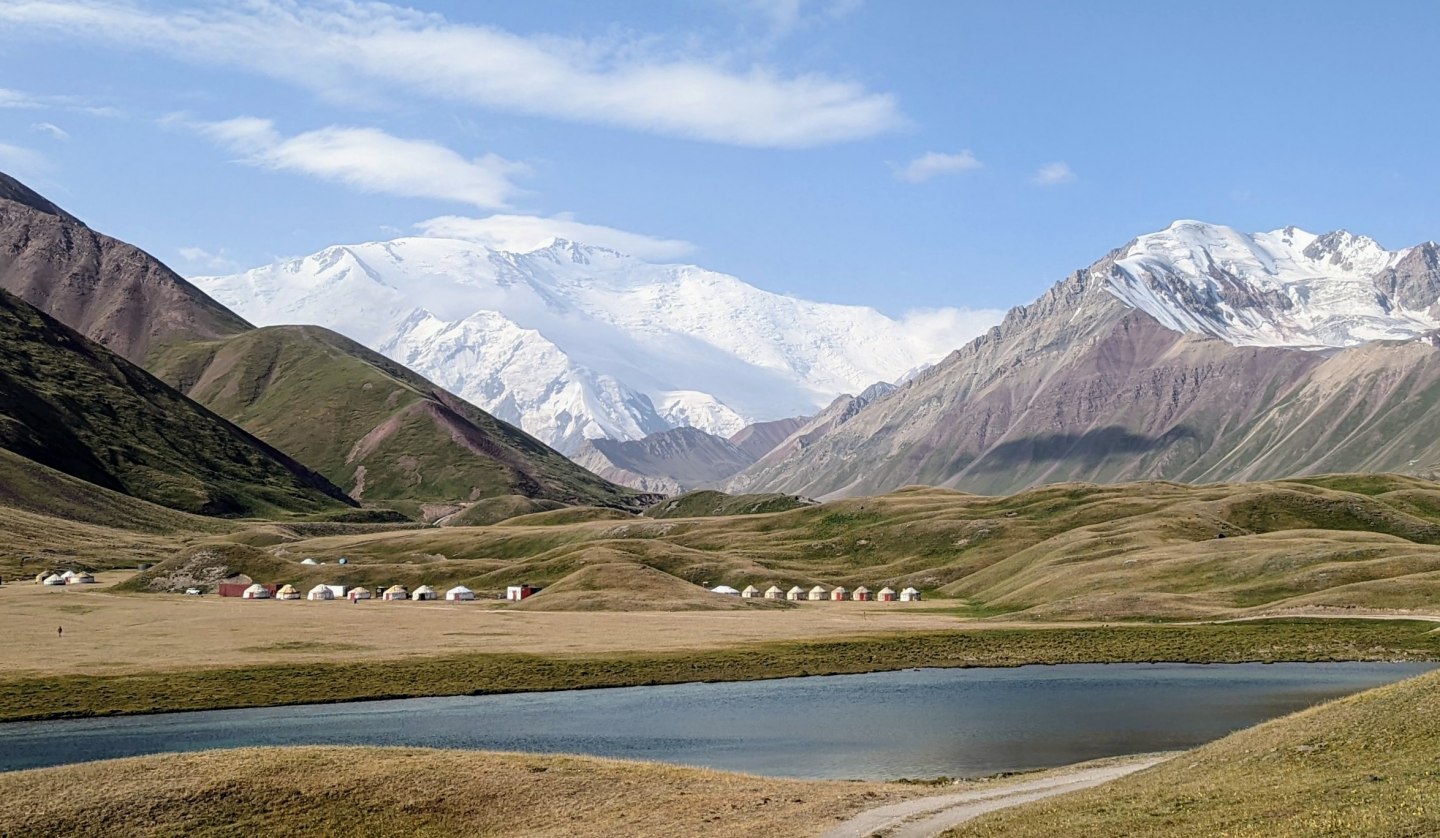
(900, 154)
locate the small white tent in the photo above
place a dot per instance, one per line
(67, 575)
(861, 594)
(320, 592)
(287, 592)
(460, 593)
(54, 579)
(81, 578)
(724, 589)
(256, 591)
(839, 595)
(795, 594)
(774, 592)
(425, 592)
(818, 594)
(751, 592)
(359, 592)
(395, 592)
(308, 561)
(887, 594)
(909, 595)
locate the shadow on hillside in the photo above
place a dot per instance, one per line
(1089, 448)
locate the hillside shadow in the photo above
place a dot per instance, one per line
(1089, 448)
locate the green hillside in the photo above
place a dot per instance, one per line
(371, 425)
(72, 405)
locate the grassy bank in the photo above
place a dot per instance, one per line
(405, 792)
(474, 674)
(1364, 765)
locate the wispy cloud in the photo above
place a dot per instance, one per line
(951, 326)
(21, 160)
(1052, 174)
(52, 129)
(783, 17)
(346, 50)
(522, 233)
(371, 160)
(934, 163)
(200, 259)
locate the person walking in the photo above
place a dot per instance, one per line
(60, 631)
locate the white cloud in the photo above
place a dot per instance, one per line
(523, 233)
(16, 99)
(20, 160)
(934, 163)
(52, 129)
(1052, 174)
(352, 50)
(785, 16)
(953, 326)
(202, 259)
(371, 160)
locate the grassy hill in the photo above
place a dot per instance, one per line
(408, 791)
(710, 503)
(1363, 765)
(78, 408)
(370, 424)
(1142, 550)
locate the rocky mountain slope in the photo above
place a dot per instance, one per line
(760, 439)
(669, 462)
(572, 342)
(72, 405)
(1195, 354)
(360, 419)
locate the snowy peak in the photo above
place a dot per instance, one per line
(1286, 287)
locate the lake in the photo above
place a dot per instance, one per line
(914, 723)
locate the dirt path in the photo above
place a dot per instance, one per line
(928, 816)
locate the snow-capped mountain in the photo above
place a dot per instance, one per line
(1282, 288)
(573, 342)
(1188, 354)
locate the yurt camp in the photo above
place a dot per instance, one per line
(774, 592)
(795, 594)
(839, 595)
(459, 593)
(287, 592)
(885, 595)
(909, 595)
(861, 594)
(319, 593)
(751, 592)
(819, 594)
(358, 593)
(395, 592)
(425, 592)
(256, 591)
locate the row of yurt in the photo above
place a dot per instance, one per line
(321, 593)
(69, 577)
(820, 594)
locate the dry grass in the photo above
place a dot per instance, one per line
(1364, 765)
(129, 633)
(404, 792)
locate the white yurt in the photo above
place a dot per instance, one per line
(751, 592)
(68, 575)
(774, 592)
(425, 592)
(909, 595)
(81, 578)
(459, 593)
(54, 579)
(819, 594)
(724, 589)
(359, 592)
(795, 594)
(320, 592)
(861, 594)
(395, 592)
(256, 591)
(287, 592)
(839, 595)
(886, 595)
(308, 561)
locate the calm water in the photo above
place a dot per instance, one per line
(917, 723)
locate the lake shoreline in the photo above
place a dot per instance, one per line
(279, 685)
